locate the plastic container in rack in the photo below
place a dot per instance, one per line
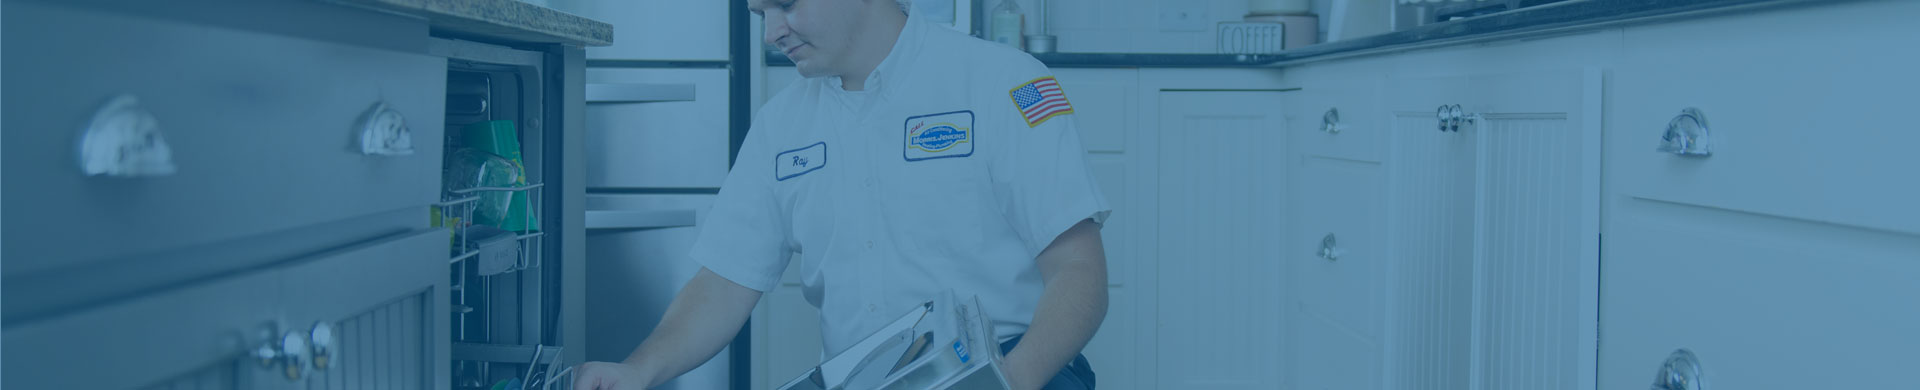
(500, 138)
(468, 169)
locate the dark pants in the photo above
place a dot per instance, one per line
(1077, 375)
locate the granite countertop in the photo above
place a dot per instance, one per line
(1560, 17)
(509, 20)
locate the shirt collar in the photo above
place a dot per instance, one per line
(905, 49)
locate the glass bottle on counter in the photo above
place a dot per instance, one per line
(1008, 24)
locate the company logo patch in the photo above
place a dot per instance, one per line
(793, 163)
(942, 135)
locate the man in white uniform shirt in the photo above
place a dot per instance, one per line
(913, 159)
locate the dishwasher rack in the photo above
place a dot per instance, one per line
(504, 319)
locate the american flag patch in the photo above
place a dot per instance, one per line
(1041, 99)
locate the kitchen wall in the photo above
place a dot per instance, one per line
(1132, 26)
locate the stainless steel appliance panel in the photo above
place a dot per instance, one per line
(682, 144)
(633, 276)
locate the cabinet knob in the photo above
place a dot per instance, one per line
(1330, 248)
(322, 345)
(287, 352)
(1451, 116)
(123, 140)
(1330, 122)
(1687, 135)
(1680, 372)
(293, 354)
(383, 132)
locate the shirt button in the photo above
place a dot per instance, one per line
(869, 244)
(870, 183)
(871, 307)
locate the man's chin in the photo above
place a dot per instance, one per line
(809, 69)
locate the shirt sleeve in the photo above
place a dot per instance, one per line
(1040, 175)
(745, 235)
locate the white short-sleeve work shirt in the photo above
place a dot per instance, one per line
(953, 169)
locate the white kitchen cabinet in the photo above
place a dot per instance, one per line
(1334, 301)
(1493, 223)
(1219, 210)
(1789, 257)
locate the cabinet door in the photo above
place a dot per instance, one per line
(385, 302)
(1789, 257)
(1220, 210)
(1429, 202)
(1493, 225)
(1536, 226)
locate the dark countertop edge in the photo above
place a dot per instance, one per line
(498, 20)
(1552, 18)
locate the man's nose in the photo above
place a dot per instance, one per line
(776, 28)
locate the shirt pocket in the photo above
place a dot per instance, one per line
(941, 209)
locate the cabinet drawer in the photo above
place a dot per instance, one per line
(1358, 128)
(1323, 355)
(1338, 198)
(1797, 135)
(263, 130)
(680, 144)
(1764, 302)
(204, 333)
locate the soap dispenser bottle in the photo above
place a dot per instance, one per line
(1009, 24)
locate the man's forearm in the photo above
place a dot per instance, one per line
(1070, 311)
(702, 319)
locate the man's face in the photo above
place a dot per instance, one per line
(816, 34)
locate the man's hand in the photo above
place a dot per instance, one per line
(703, 318)
(609, 376)
(1074, 269)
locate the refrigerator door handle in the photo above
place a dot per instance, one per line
(638, 93)
(638, 219)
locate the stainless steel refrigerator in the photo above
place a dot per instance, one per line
(661, 114)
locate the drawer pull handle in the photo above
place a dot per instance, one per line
(1451, 116)
(123, 140)
(1681, 371)
(383, 132)
(322, 345)
(1330, 122)
(1330, 248)
(293, 355)
(1687, 135)
(288, 352)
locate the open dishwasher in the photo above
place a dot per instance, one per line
(505, 277)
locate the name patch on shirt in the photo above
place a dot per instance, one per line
(793, 163)
(942, 135)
